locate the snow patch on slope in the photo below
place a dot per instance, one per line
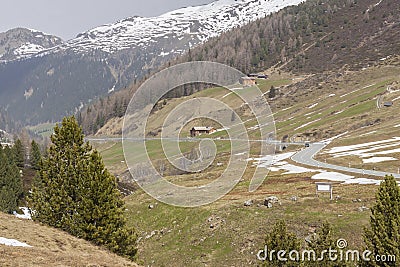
(27, 49)
(13, 242)
(277, 163)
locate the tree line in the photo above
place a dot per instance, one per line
(13, 164)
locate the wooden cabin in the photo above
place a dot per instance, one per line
(196, 131)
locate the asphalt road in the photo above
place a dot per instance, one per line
(306, 157)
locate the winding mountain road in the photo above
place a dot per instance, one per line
(306, 157)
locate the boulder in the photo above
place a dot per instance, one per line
(270, 201)
(248, 203)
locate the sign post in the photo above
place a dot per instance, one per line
(324, 187)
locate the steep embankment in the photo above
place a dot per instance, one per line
(50, 247)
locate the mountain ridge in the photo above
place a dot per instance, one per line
(311, 38)
(59, 80)
(200, 22)
(19, 43)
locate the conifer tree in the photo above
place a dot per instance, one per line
(74, 191)
(10, 182)
(383, 236)
(36, 156)
(272, 92)
(323, 240)
(19, 153)
(280, 239)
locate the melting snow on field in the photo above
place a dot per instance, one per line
(346, 179)
(378, 159)
(278, 162)
(332, 176)
(369, 151)
(313, 105)
(13, 243)
(362, 181)
(306, 124)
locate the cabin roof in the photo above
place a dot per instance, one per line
(202, 128)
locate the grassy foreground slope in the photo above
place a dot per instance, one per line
(227, 233)
(50, 247)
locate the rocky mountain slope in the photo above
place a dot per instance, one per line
(20, 43)
(59, 80)
(190, 26)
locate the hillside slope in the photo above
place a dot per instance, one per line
(310, 38)
(50, 247)
(58, 81)
(230, 231)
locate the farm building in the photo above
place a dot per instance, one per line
(196, 131)
(258, 75)
(248, 81)
(262, 76)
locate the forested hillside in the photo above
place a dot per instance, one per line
(312, 37)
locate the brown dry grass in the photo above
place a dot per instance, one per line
(50, 247)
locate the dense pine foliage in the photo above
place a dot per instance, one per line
(10, 181)
(279, 238)
(321, 241)
(75, 192)
(36, 155)
(19, 153)
(383, 236)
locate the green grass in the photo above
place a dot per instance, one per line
(44, 130)
(184, 236)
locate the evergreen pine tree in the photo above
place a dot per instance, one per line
(280, 239)
(323, 240)
(10, 182)
(74, 191)
(19, 153)
(272, 92)
(383, 236)
(36, 156)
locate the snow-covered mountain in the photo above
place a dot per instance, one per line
(43, 81)
(186, 27)
(195, 24)
(20, 43)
